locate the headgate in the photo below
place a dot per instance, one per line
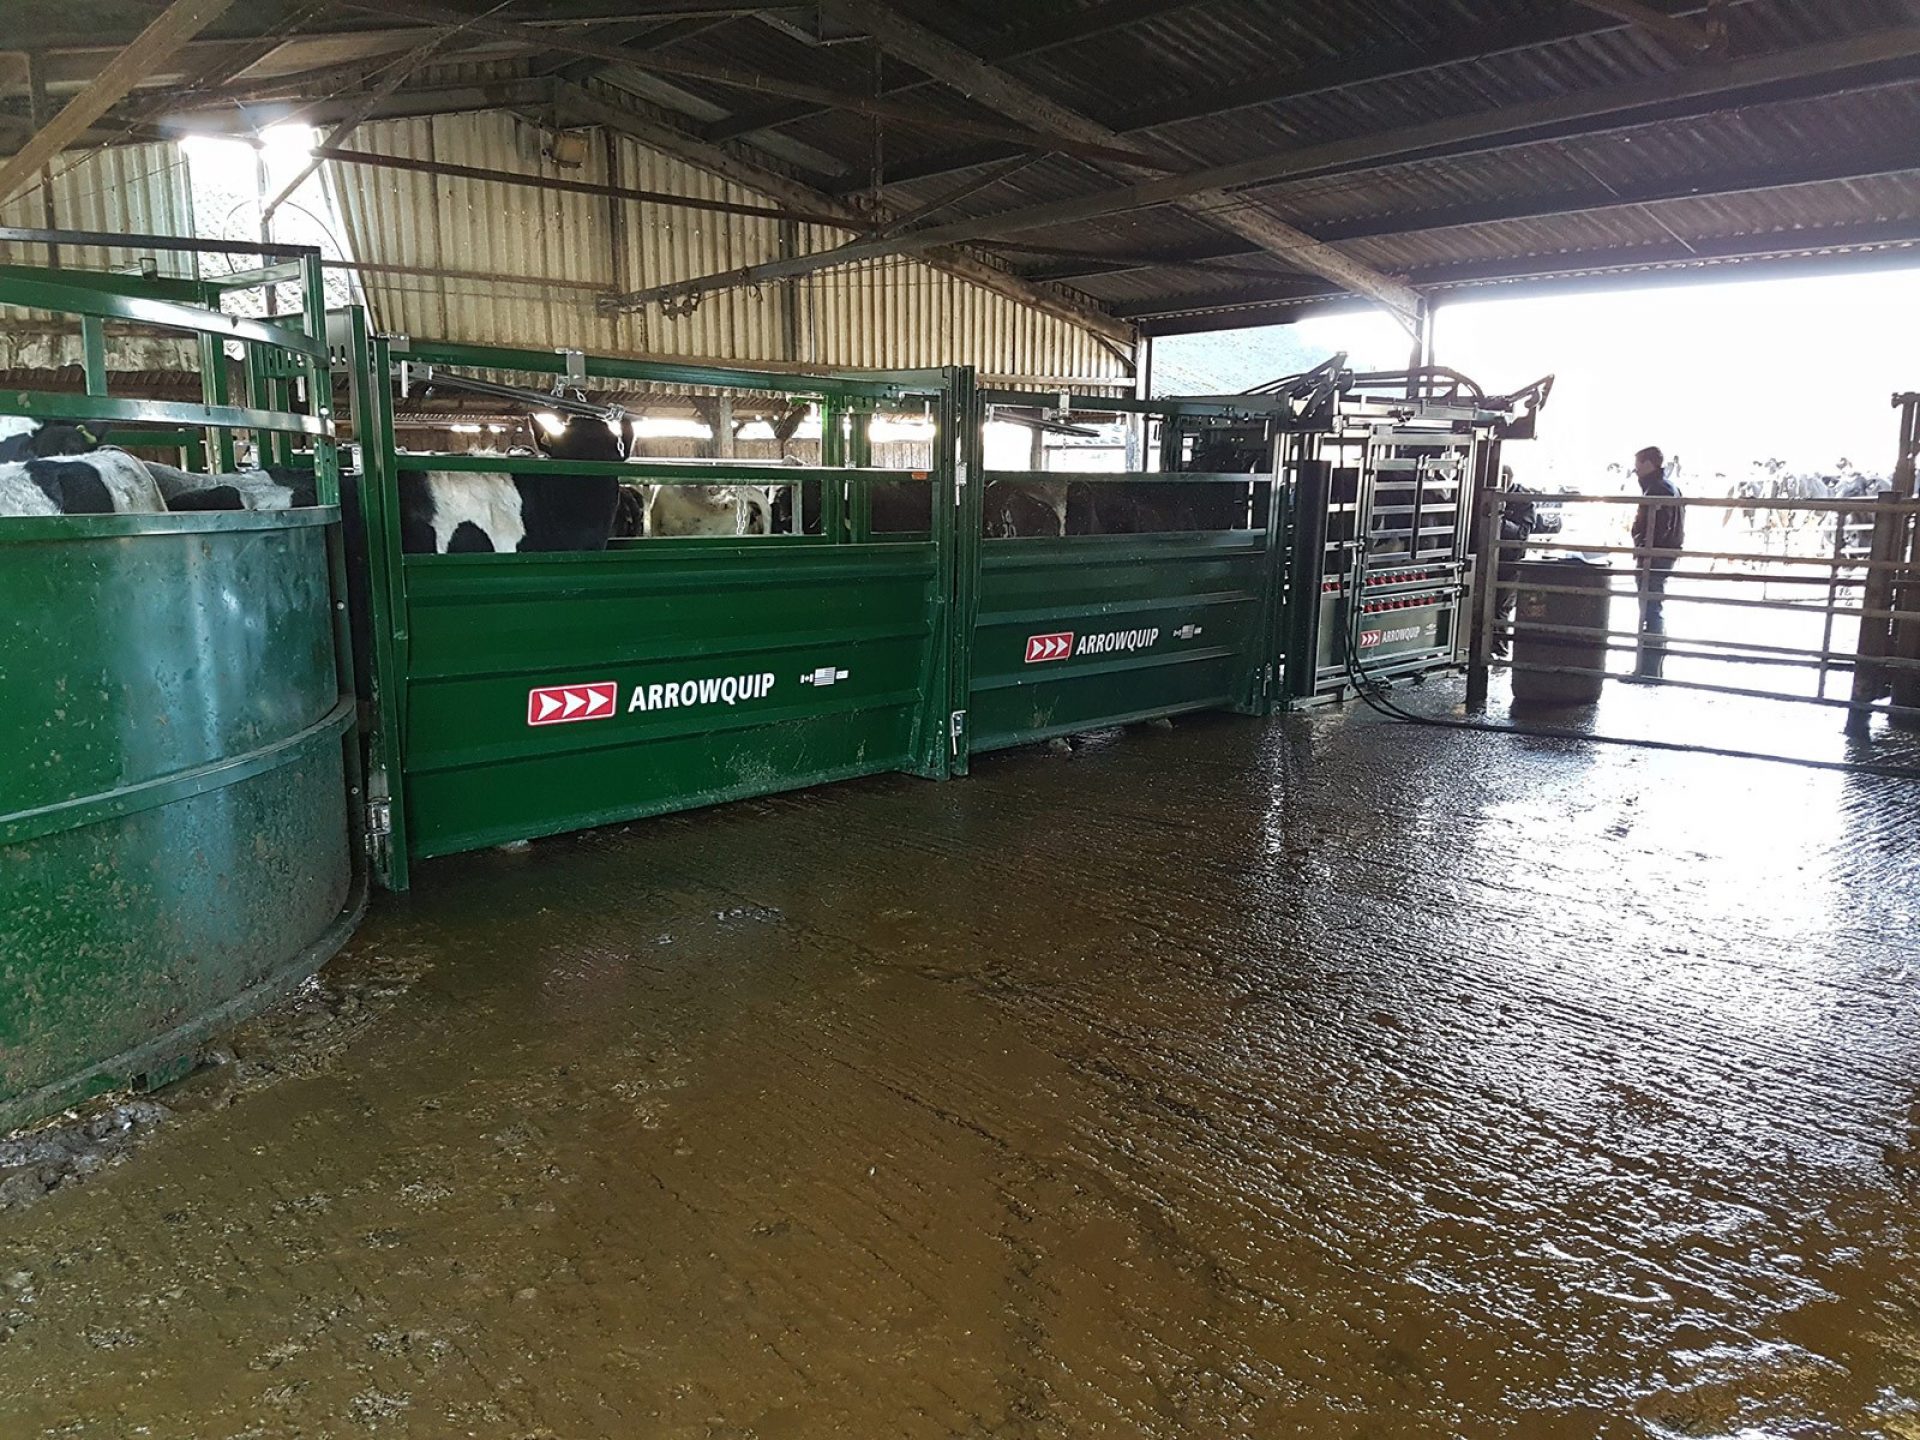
(1385, 470)
(1172, 610)
(520, 695)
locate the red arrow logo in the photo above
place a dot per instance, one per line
(559, 704)
(1057, 646)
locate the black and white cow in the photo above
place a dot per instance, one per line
(445, 512)
(62, 468)
(57, 468)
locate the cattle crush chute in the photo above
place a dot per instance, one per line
(178, 720)
(517, 695)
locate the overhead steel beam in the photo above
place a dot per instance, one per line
(1687, 256)
(343, 156)
(1004, 94)
(1375, 64)
(575, 102)
(398, 72)
(734, 78)
(154, 46)
(1671, 28)
(1895, 159)
(1047, 33)
(1718, 79)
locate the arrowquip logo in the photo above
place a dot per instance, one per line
(1370, 638)
(1118, 642)
(715, 690)
(1057, 646)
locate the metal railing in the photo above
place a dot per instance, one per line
(1718, 609)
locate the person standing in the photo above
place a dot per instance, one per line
(1659, 531)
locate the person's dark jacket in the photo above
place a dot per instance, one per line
(1518, 518)
(1660, 527)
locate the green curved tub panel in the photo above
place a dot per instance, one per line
(174, 842)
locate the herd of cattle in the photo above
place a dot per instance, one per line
(65, 468)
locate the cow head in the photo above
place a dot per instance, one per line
(22, 438)
(579, 437)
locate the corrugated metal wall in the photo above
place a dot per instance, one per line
(139, 189)
(528, 265)
(133, 189)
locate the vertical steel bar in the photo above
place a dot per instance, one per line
(860, 455)
(372, 403)
(966, 419)
(833, 455)
(1488, 504)
(93, 353)
(214, 391)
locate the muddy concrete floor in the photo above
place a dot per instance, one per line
(1327, 1078)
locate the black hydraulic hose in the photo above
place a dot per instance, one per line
(1373, 691)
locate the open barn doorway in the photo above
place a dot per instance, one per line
(1786, 605)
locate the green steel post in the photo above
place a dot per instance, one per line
(372, 398)
(213, 391)
(319, 376)
(833, 455)
(959, 434)
(93, 345)
(860, 456)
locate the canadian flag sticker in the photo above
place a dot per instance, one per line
(563, 704)
(1049, 647)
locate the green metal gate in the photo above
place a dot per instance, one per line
(178, 721)
(704, 669)
(1062, 634)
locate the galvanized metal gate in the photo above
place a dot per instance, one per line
(685, 671)
(1765, 599)
(1057, 634)
(1385, 543)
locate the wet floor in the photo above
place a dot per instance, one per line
(1329, 1078)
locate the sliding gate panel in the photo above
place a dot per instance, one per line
(1090, 630)
(515, 695)
(549, 693)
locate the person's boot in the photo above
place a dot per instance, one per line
(1651, 662)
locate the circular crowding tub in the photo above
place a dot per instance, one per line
(175, 754)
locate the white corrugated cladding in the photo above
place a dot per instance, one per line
(135, 189)
(518, 266)
(127, 189)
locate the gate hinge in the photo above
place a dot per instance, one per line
(379, 820)
(956, 731)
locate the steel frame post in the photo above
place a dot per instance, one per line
(371, 398)
(966, 418)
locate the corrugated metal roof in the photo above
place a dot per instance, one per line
(1799, 165)
(1213, 81)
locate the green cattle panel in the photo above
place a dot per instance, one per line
(1090, 630)
(174, 843)
(548, 693)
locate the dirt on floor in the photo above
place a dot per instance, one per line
(1323, 1077)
